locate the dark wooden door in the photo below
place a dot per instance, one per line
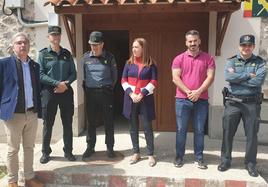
(173, 43)
(165, 34)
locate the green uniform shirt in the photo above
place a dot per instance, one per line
(56, 67)
(240, 81)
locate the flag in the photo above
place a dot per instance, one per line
(256, 8)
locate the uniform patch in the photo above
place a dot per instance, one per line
(246, 38)
(89, 62)
(238, 64)
(49, 57)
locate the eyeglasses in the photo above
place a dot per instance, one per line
(21, 42)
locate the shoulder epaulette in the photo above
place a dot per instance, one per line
(86, 53)
(259, 58)
(109, 53)
(65, 50)
(232, 57)
(109, 57)
(43, 49)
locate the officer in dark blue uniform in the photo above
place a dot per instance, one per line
(245, 74)
(100, 76)
(57, 72)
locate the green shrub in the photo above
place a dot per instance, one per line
(3, 171)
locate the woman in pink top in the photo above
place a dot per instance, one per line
(139, 80)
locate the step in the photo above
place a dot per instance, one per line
(54, 179)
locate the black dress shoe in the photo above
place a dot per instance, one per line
(201, 164)
(224, 166)
(88, 153)
(252, 171)
(70, 156)
(44, 159)
(111, 154)
(178, 162)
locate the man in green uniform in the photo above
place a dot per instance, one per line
(57, 72)
(245, 74)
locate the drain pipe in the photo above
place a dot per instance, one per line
(34, 24)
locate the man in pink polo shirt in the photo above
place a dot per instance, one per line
(192, 72)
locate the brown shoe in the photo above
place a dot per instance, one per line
(152, 161)
(135, 158)
(13, 184)
(33, 183)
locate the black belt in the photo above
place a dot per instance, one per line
(100, 88)
(244, 99)
(48, 87)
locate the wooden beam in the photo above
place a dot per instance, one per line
(69, 24)
(148, 8)
(223, 19)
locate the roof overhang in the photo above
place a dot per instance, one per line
(68, 8)
(148, 7)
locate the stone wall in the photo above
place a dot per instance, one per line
(264, 50)
(9, 25)
(264, 38)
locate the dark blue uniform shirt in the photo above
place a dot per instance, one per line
(99, 71)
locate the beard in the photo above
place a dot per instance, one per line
(193, 48)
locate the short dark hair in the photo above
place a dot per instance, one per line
(192, 32)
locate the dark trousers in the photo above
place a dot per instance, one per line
(100, 98)
(138, 109)
(50, 103)
(250, 115)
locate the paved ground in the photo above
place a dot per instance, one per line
(100, 165)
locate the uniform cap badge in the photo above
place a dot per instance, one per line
(247, 39)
